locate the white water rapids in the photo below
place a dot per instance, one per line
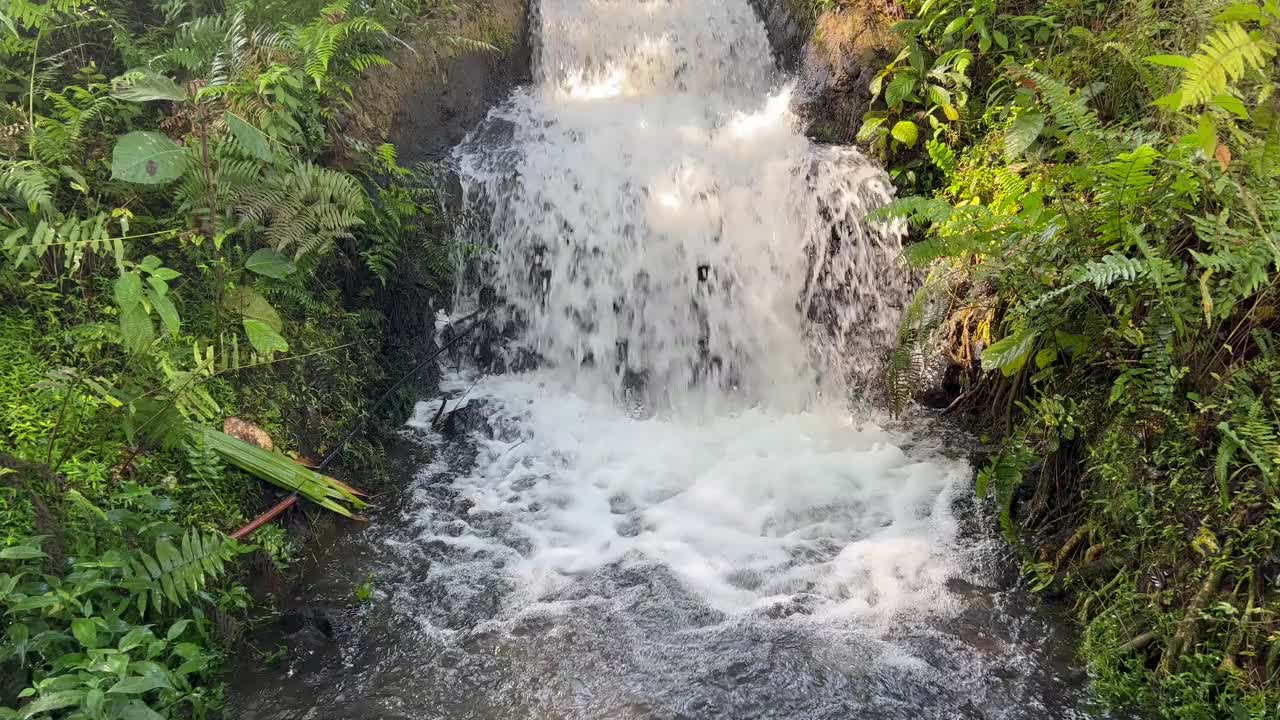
(677, 515)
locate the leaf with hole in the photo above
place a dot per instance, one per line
(147, 158)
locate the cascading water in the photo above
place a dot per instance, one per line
(663, 221)
(677, 516)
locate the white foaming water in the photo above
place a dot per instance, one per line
(747, 509)
(665, 223)
(662, 231)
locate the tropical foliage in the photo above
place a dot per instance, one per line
(1093, 190)
(177, 197)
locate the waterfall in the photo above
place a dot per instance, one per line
(676, 511)
(658, 222)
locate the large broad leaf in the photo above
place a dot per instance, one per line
(86, 631)
(165, 309)
(906, 132)
(1022, 134)
(143, 85)
(900, 89)
(136, 331)
(1010, 354)
(253, 140)
(246, 302)
(138, 710)
(21, 552)
(138, 684)
(270, 263)
(51, 701)
(128, 290)
(264, 340)
(147, 158)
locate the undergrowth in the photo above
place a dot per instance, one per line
(1093, 193)
(187, 235)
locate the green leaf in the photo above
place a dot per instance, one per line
(283, 472)
(176, 630)
(136, 331)
(21, 552)
(1022, 134)
(138, 684)
(149, 263)
(955, 26)
(1240, 12)
(138, 710)
(1206, 136)
(147, 158)
(128, 291)
(1009, 355)
(52, 701)
(166, 274)
(1232, 104)
(906, 132)
(264, 339)
(871, 125)
(246, 302)
(165, 309)
(250, 138)
(143, 84)
(134, 638)
(1173, 61)
(270, 263)
(917, 58)
(1001, 39)
(86, 631)
(900, 89)
(1046, 357)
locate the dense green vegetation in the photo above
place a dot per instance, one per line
(1095, 193)
(186, 234)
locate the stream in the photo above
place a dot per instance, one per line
(686, 508)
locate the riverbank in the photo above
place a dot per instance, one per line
(199, 236)
(1092, 193)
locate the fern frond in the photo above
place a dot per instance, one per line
(1224, 58)
(177, 573)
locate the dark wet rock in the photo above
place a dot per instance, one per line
(302, 619)
(465, 421)
(835, 55)
(307, 641)
(13, 680)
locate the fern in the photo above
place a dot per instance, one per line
(177, 573)
(29, 183)
(1223, 58)
(304, 210)
(1122, 185)
(1110, 270)
(909, 360)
